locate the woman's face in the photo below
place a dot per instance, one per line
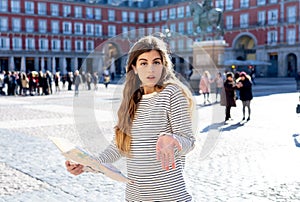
(149, 68)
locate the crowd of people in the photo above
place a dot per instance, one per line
(40, 83)
(228, 87)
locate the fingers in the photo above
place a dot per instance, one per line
(74, 168)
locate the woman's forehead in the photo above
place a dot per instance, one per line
(153, 54)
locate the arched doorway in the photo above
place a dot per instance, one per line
(245, 48)
(112, 59)
(291, 64)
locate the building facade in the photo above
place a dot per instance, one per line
(93, 35)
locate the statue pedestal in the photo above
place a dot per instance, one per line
(207, 56)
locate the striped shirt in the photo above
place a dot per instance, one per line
(164, 112)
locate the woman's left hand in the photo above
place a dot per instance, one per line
(165, 147)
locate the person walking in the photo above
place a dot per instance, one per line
(154, 127)
(219, 85)
(230, 87)
(204, 86)
(77, 82)
(245, 87)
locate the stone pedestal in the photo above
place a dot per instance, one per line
(207, 56)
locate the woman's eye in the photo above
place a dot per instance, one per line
(157, 63)
(143, 64)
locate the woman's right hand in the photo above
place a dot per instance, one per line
(74, 168)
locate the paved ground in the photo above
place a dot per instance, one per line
(255, 161)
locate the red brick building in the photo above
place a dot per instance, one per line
(67, 35)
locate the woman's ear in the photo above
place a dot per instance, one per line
(134, 69)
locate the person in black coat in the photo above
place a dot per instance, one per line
(230, 87)
(245, 88)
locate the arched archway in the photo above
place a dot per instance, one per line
(291, 64)
(112, 59)
(245, 47)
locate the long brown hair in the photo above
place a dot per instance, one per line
(133, 91)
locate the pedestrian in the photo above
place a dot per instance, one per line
(230, 87)
(95, 80)
(88, 80)
(219, 85)
(106, 79)
(24, 84)
(56, 81)
(245, 87)
(204, 86)
(154, 128)
(77, 82)
(70, 80)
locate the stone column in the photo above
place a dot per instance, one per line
(36, 64)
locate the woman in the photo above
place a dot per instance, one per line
(154, 129)
(204, 86)
(245, 88)
(230, 87)
(219, 85)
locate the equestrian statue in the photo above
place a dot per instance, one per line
(204, 16)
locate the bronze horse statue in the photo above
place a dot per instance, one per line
(206, 17)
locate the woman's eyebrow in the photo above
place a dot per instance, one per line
(156, 59)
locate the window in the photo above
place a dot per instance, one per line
(273, 1)
(291, 36)
(55, 45)
(173, 28)
(172, 12)
(141, 32)
(132, 32)
(149, 17)
(181, 27)
(67, 28)
(244, 20)
(111, 30)
(97, 13)
(55, 27)
(261, 18)
(78, 28)
(244, 3)
(150, 30)
(180, 44)
(188, 11)
(220, 4)
(29, 25)
(229, 22)
(43, 26)
(78, 12)
(111, 15)
(180, 12)
(43, 44)
(89, 29)
(67, 45)
(291, 14)
(42, 8)
(4, 43)
(78, 45)
(141, 17)
(15, 6)
(16, 24)
(157, 16)
(89, 13)
(29, 7)
(124, 16)
(132, 17)
(54, 10)
(67, 11)
(190, 27)
(17, 43)
(164, 14)
(89, 45)
(229, 4)
(3, 5)
(30, 44)
(125, 31)
(98, 30)
(272, 37)
(261, 2)
(272, 17)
